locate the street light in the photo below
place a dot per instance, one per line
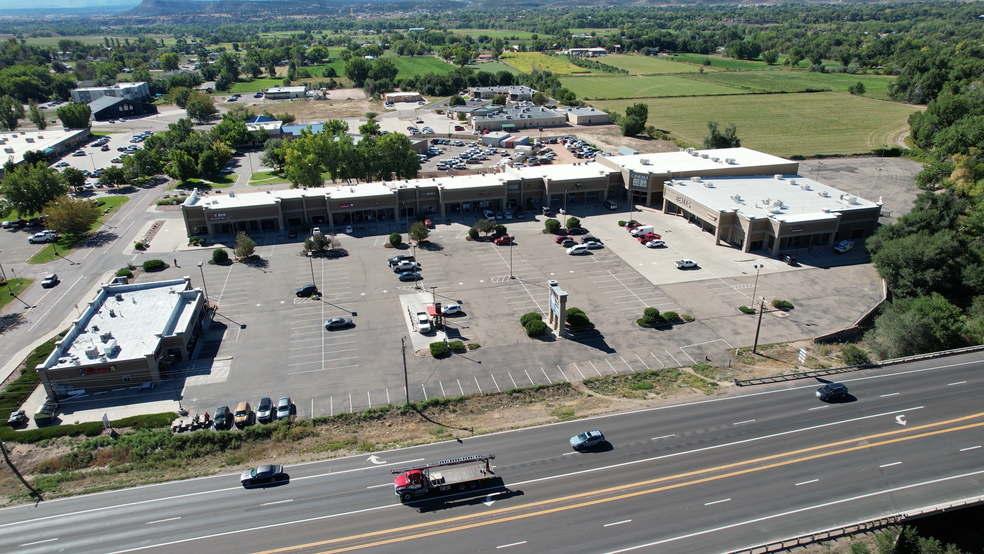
(817, 177)
(2, 273)
(204, 287)
(565, 201)
(758, 327)
(758, 268)
(310, 256)
(511, 244)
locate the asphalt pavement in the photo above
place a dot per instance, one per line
(706, 476)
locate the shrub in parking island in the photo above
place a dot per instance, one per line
(438, 349)
(500, 229)
(650, 316)
(220, 256)
(473, 233)
(852, 355)
(670, 317)
(577, 319)
(485, 226)
(573, 223)
(396, 239)
(154, 265)
(782, 304)
(124, 272)
(551, 225)
(746, 310)
(535, 328)
(139, 245)
(532, 316)
(622, 222)
(456, 346)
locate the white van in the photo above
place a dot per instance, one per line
(610, 204)
(642, 230)
(577, 249)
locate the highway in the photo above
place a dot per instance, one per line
(707, 476)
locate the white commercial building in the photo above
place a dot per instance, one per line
(130, 91)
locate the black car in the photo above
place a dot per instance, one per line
(410, 276)
(589, 238)
(306, 290)
(223, 418)
(791, 260)
(292, 234)
(263, 475)
(577, 231)
(832, 391)
(399, 258)
(336, 253)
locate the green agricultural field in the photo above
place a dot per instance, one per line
(87, 39)
(249, 87)
(876, 86)
(317, 70)
(597, 32)
(526, 61)
(783, 124)
(637, 64)
(410, 66)
(494, 67)
(717, 62)
(597, 87)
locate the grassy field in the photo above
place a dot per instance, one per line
(420, 65)
(637, 64)
(494, 67)
(876, 86)
(783, 124)
(88, 39)
(599, 87)
(526, 61)
(16, 287)
(249, 87)
(717, 62)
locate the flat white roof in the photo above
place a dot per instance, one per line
(14, 143)
(455, 181)
(111, 87)
(285, 89)
(792, 199)
(682, 161)
(560, 171)
(136, 320)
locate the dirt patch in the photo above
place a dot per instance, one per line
(309, 111)
(609, 138)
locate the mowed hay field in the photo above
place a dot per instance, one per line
(637, 64)
(599, 87)
(420, 65)
(783, 124)
(526, 61)
(876, 86)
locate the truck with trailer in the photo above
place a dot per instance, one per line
(456, 474)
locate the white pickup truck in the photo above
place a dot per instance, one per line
(423, 323)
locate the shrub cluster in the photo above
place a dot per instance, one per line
(124, 272)
(197, 241)
(220, 256)
(851, 355)
(139, 245)
(746, 310)
(577, 319)
(473, 233)
(782, 304)
(154, 265)
(456, 345)
(533, 323)
(438, 349)
(90, 429)
(395, 239)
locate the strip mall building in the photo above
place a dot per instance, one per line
(746, 199)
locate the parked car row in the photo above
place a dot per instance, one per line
(245, 416)
(406, 267)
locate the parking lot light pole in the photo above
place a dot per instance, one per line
(310, 256)
(406, 380)
(758, 327)
(758, 268)
(511, 276)
(204, 287)
(5, 280)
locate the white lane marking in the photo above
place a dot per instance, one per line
(380, 486)
(807, 482)
(957, 383)
(706, 448)
(618, 522)
(742, 422)
(890, 465)
(277, 502)
(163, 520)
(663, 437)
(717, 502)
(799, 511)
(889, 394)
(512, 544)
(38, 542)
(569, 453)
(970, 448)
(818, 408)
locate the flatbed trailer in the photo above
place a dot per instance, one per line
(456, 474)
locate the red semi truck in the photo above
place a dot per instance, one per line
(455, 474)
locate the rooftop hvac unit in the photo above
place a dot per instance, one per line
(8, 150)
(705, 156)
(823, 193)
(792, 181)
(695, 179)
(644, 161)
(30, 140)
(108, 348)
(778, 177)
(777, 203)
(690, 150)
(716, 160)
(729, 160)
(805, 187)
(765, 201)
(91, 352)
(105, 336)
(232, 194)
(736, 197)
(119, 297)
(850, 198)
(708, 184)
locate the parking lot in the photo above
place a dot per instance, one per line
(267, 342)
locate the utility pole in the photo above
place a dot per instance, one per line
(406, 380)
(34, 493)
(758, 327)
(758, 268)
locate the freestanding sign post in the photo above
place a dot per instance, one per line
(558, 307)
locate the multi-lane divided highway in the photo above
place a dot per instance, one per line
(707, 476)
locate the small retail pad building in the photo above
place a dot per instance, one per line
(127, 337)
(746, 199)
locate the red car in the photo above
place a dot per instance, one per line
(504, 239)
(560, 238)
(429, 224)
(632, 225)
(648, 237)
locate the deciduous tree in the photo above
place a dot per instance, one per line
(28, 188)
(245, 246)
(419, 231)
(75, 116)
(73, 216)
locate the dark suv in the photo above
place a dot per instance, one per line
(223, 418)
(831, 392)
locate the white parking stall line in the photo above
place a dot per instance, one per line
(657, 359)
(459, 387)
(422, 388)
(595, 368)
(323, 369)
(495, 382)
(528, 377)
(671, 356)
(444, 394)
(562, 373)
(477, 385)
(626, 364)
(515, 386)
(615, 371)
(547, 376)
(578, 369)
(636, 302)
(644, 364)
